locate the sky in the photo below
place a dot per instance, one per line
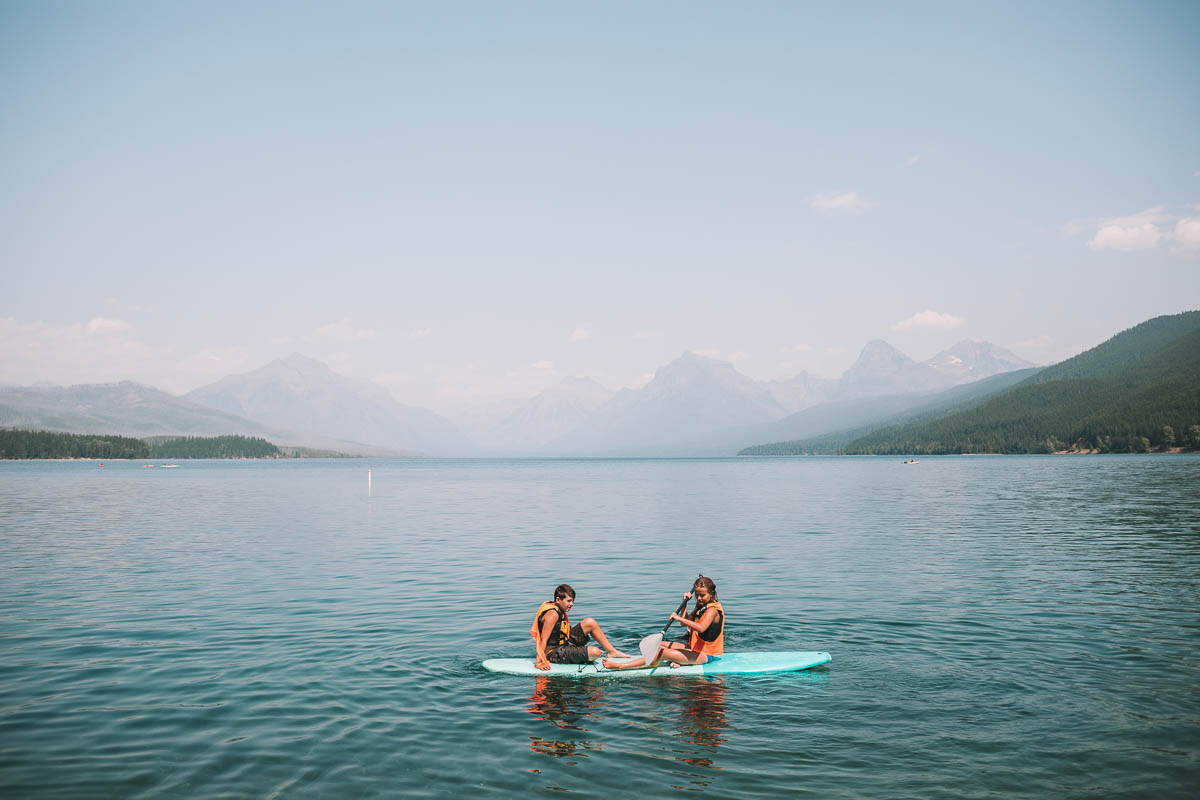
(468, 201)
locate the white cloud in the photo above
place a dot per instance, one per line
(344, 331)
(580, 334)
(844, 201)
(1187, 233)
(100, 325)
(796, 348)
(1073, 228)
(422, 333)
(1136, 232)
(912, 162)
(929, 321)
(721, 355)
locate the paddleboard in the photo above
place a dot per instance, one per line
(730, 663)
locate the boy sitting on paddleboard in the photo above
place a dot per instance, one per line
(706, 623)
(559, 643)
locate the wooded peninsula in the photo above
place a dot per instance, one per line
(23, 444)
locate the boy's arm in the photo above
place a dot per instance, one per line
(540, 661)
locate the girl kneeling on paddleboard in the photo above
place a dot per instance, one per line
(706, 623)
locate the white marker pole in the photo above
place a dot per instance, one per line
(368, 483)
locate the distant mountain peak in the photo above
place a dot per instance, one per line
(974, 359)
(878, 358)
(306, 395)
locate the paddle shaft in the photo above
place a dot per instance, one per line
(679, 610)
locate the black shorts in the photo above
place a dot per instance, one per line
(575, 651)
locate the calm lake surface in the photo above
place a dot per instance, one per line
(1000, 626)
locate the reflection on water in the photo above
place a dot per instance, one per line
(702, 719)
(566, 706)
(692, 710)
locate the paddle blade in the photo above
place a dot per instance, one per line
(649, 647)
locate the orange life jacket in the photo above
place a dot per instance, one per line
(711, 641)
(557, 639)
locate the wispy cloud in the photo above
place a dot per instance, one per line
(344, 331)
(538, 369)
(1187, 233)
(422, 333)
(1138, 231)
(100, 325)
(929, 321)
(913, 161)
(796, 348)
(841, 201)
(1072, 228)
(581, 334)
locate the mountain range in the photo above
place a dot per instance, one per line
(1136, 392)
(304, 395)
(693, 406)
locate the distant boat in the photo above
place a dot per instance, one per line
(169, 466)
(910, 461)
(147, 466)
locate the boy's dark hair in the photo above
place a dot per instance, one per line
(707, 583)
(562, 591)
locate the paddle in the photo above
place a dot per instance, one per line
(649, 645)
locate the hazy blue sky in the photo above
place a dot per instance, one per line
(468, 200)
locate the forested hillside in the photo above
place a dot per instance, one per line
(857, 421)
(1137, 392)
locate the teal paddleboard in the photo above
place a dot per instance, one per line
(728, 664)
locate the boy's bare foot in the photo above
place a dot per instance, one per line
(674, 665)
(618, 654)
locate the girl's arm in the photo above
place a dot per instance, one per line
(702, 624)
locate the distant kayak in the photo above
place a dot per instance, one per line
(728, 664)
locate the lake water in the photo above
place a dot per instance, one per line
(1000, 626)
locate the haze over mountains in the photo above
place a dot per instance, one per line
(306, 396)
(693, 406)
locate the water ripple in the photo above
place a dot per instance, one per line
(1000, 626)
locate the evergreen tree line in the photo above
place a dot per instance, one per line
(22, 444)
(1138, 392)
(212, 447)
(47, 444)
(1150, 405)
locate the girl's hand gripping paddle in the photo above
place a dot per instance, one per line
(649, 645)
